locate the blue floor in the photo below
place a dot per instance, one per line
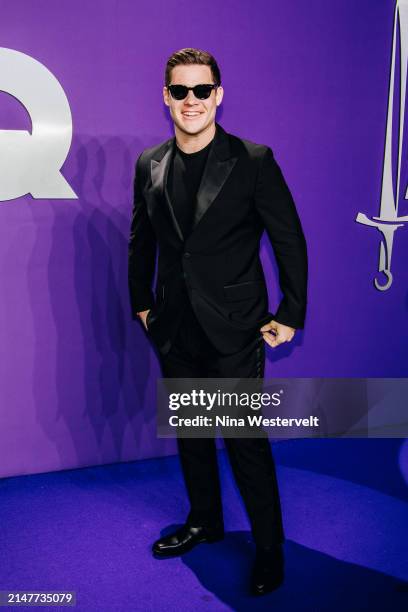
(345, 512)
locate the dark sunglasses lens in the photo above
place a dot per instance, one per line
(202, 92)
(179, 92)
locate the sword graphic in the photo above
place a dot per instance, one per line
(388, 221)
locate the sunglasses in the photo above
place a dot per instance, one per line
(202, 92)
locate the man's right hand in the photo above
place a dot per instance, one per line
(143, 315)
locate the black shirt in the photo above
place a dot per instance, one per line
(185, 172)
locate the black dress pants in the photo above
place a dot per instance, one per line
(192, 355)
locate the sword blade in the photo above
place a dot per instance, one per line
(389, 202)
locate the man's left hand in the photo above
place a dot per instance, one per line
(275, 333)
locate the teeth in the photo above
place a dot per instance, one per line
(191, 114)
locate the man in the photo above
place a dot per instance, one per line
(203, 200)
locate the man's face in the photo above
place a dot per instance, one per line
(191, 115)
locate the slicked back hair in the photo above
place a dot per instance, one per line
(189, 55)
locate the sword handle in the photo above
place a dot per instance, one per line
(388, 282)
(387, 231)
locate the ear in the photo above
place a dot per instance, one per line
(219, 94)
(166, 96)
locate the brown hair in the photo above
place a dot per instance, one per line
(192, 56)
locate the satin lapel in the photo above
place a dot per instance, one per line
(159, 172)
(217, 170)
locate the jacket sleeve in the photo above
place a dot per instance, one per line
(277, 210)
(142, 249)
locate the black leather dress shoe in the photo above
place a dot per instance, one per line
(268, 570)
(184, 539)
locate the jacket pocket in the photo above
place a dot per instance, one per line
(243, 291)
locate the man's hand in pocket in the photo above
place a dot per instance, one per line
(143, 315)
(275, 333)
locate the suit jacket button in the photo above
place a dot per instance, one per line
(187, 254)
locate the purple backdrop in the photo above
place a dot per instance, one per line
(310, 79)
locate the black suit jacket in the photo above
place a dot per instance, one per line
(242, 193)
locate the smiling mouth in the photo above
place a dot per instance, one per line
(192, 114)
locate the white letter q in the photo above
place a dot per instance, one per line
(30, 163)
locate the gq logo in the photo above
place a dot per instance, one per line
(30, 163)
